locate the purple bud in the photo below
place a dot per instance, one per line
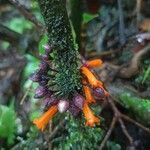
(43, 66)
(74, 110)
(40, 92)
(49, 94)
(63, 106)
(50, 100)
(43, 82)
(45, 57)
(99, 92)
(78, 100)
(47, 48)
(41, 72)
(35, 77)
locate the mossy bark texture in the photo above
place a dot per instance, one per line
(65, 52)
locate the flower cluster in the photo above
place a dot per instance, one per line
(45, 76)
(91, 86)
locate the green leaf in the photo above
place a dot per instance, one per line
(43, 41)
(139, 107)
(35, 114)
(146, 74)
(31, 66)
(112, 146)
(19, 24)
(7, 123)
(88, 17)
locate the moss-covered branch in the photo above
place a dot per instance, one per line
(61, 39)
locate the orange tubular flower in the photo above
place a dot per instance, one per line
(94, 63)
(89, 116)
(90, 77)
(42, 121)
(88, 95)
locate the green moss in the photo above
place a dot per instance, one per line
(7, 123)
(140, 107)
(61, 39)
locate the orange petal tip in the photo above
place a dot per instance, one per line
(92, 122)
(39, 124)
(94, 63)
(42, 121)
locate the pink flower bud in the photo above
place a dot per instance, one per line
(74, 110)
(40, 92)
(78, 100)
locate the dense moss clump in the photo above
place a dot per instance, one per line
(65, 53)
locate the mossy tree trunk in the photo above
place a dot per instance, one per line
(65, 51)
